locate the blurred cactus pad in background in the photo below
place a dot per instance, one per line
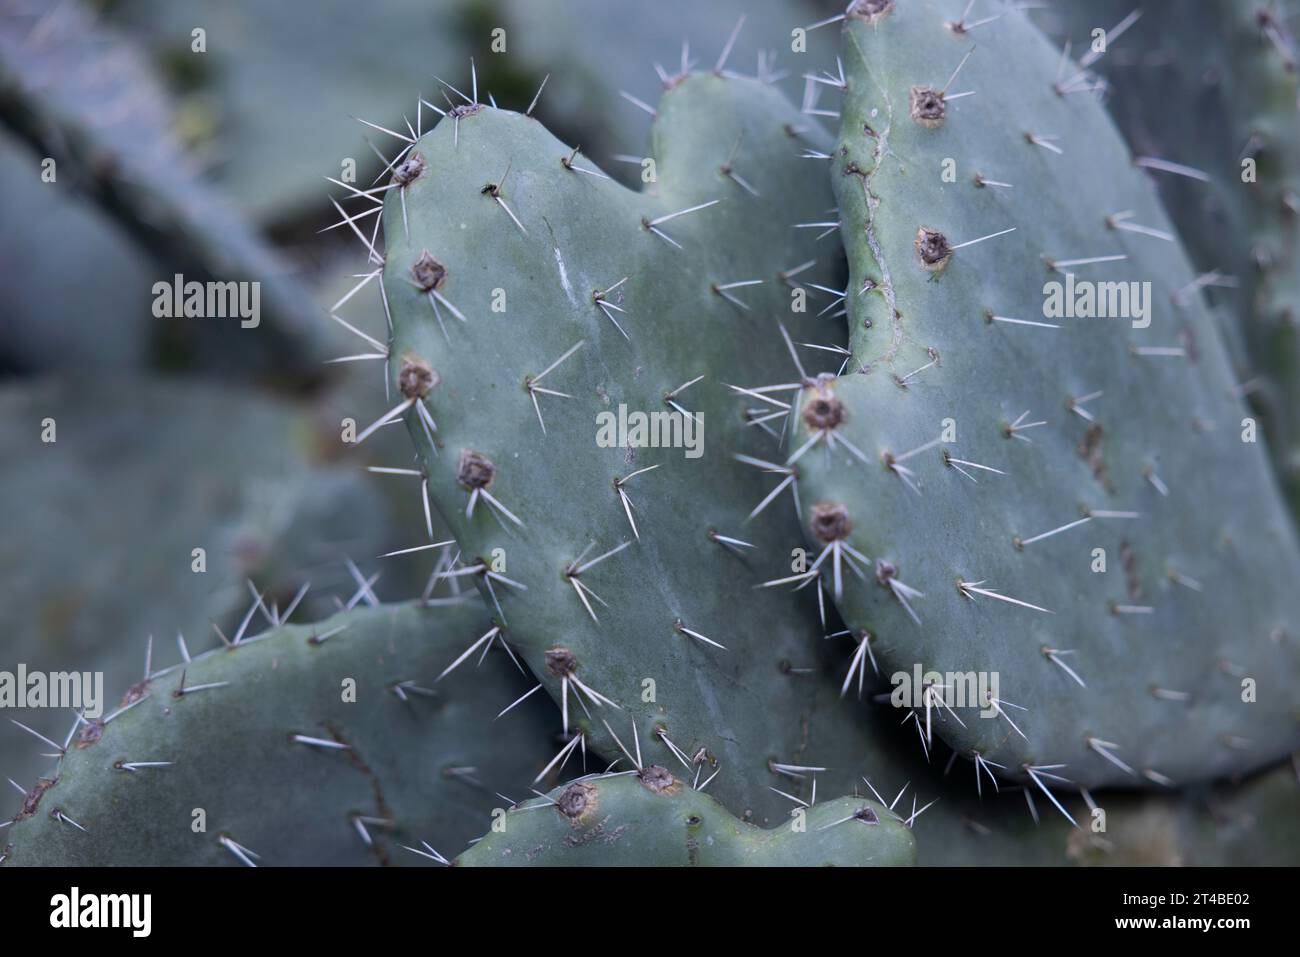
(565, 433)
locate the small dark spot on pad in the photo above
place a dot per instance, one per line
(927, 106)
(409, 169)
(830, 522)
(932, 248)
(560, 662)
(416, 378)
(33, 797)
(135, 692)
(866, 815)
(1090, 452)
(823, 411)
(576, 799)
(428, 272)
(658, 779)
(475, 470)
(91, 733)
(884, 572)
(869, 11)
(1133, 582)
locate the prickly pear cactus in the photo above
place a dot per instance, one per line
(1064, 505)
(597, 92)
(1264, 44)
(669, 468)
(649, 818)
(1233, 195)
(330, 743)
(88, 578)
(537, 309)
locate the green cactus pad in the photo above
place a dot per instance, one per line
(1234, 195)
(649, 818)
(87, 578)
(283, 768)
(654, 303)
(966, 481)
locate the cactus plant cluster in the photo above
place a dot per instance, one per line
(373, 754)
(265, 508)
(875, 485)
